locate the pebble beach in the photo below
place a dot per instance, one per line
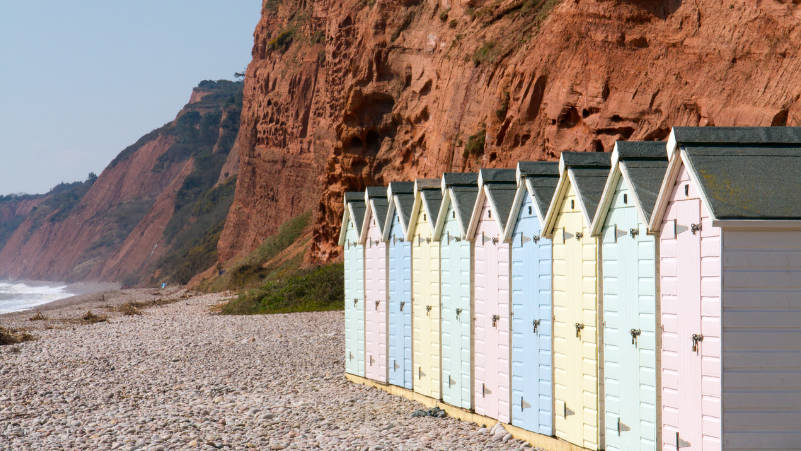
(173, 374)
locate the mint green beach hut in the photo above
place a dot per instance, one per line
(349, 239)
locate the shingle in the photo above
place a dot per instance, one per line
(587, 159)
(543, 188)
(358, 208)
(502, 196)
(737, 135)
(376, 191)
(590, 184)
(646, 178)
(645, 162)
(749, 182)
(641, 150)
(464, 198)
(380, 208)
(402, 187)
(531, 168)
(498, 176)
(354, 195)
(405, 204)
(432, 198)
(460, 178)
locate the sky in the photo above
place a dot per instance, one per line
(80, 81)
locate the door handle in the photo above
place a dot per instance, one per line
(697, 338)
(483, 390)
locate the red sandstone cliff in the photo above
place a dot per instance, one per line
(159, 197)
(345, 93)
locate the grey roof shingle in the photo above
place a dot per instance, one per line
(380, 208)
(403, 192)
(542, 178)
(402, 187)
(498, 176)
(354, 195)
(590, 170)
(587, 159)
(530, 168)
(737, 135)
(645, 163)
(376, 191)
(359, 208)
(746, 182)
(432, 198)
(464, 198)
(502, 195)
(460, 178)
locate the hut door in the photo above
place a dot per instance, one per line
(688, 243)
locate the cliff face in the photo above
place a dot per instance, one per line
(345, 93)
(157, 199)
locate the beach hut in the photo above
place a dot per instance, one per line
(532, 388)
(728, 218)
(400, 197)
(491, 297)
(375, 283)
(352, 223)
(629, 273)
(459, 192)
(425, 288)
(577, 354)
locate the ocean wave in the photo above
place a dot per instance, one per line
(19, 296)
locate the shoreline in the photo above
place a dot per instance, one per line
(76, 293)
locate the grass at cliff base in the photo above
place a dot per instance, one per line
(309, 290)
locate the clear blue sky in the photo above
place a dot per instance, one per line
(80, 81)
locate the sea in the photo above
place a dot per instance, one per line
(19, 296)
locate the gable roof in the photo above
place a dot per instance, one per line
(375, 199)
(587, 172)
(642, 164)
(354, 209)
(400, 199)
(498, 186)
(742, 173)
(461, 190)
(427, 199)
(538, 180)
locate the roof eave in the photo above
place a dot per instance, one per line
(442, 214)
(587, 217)
(520, 192)
(553, 207)
(607, 196)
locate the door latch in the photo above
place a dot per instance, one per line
(536, 325)
(634, 232)
(377, 303)
(536, 238)
(395, 365)
(451, 382)
(371, 360)
(495, 319)
(401, 305)
(579, 328)
(635, 334)
(355, 301)
(458, 312)
(697, 338)
(495, 240)
(695, 228)
(428, 310)
(419, 372)
(483, 390)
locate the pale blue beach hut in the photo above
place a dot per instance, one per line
(532, 387)
(400, 196)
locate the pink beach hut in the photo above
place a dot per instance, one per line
(491, 295)
(375, 283)
(728, 221)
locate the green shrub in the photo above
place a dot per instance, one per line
(443, 16)
(283, 40)
(487, 53)
(453, 23)
(316, 289)
(475, 144)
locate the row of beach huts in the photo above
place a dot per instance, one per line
(648, 298)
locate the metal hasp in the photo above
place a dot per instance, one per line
(458, 312)
(355, 301)
(579, 327)
(579, 235)
(634, 232)
(401, 305)
(428, 310)
(697, 338)
(635, 334)
(495, 319)
(377, 303)
(695, 228)
(535, 325)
